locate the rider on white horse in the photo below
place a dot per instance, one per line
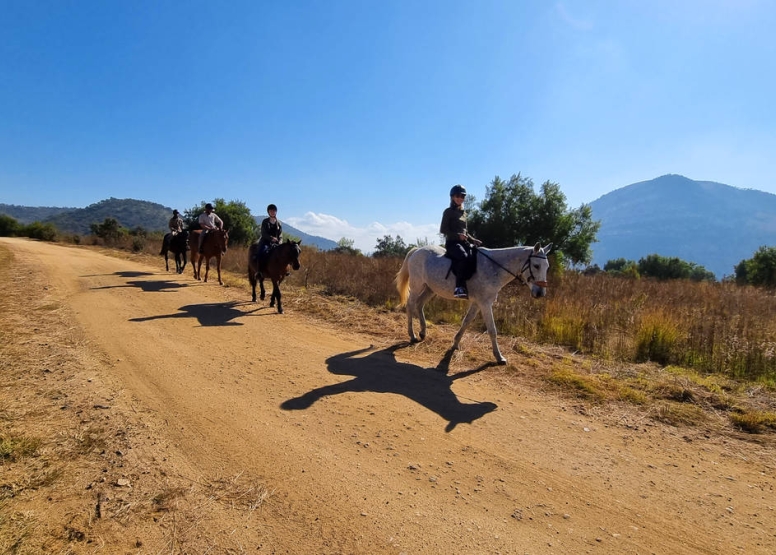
(457, 240)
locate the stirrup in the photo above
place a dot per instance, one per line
(460, 293)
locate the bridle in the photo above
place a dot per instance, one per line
(526, 265)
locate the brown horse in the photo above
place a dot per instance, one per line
(214, 247)
(275, 267)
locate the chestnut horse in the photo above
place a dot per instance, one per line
(214, 246)
(275, 267)
(178, 245)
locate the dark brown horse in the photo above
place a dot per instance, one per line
(214, 246)
(178, 245)
(275, 267)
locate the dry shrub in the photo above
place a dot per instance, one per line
(753, 421)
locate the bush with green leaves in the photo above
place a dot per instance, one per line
(759, 270)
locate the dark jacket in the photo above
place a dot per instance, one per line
(270, 230)
(453, 222)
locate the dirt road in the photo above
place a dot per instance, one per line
(366, 446)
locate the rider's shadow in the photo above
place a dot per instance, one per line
(380, 372)
(211, 314)
(155, 286)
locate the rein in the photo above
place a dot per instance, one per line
(519, 276)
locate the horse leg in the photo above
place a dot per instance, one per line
(252, 280)
(490, 324)
(218, 267)
(207, 268)
(470, 315)
(198, 269)
(276, 295)
(166, 264)
(261, 286)
(420, 302)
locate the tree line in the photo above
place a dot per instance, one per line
(512, 213)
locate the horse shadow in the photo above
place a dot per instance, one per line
(380, 372)
(156, 286)
(209, 314)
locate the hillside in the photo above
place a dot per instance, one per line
(711, 224)
(130, 213)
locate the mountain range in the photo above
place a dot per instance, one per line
(130, 213)
(710, 224)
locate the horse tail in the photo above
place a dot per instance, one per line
(402, 279)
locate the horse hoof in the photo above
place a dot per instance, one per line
(501, 362)
(414, 340)
(280, 311)
(261, 297)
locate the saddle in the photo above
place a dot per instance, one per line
(469, 264)
(263, 255)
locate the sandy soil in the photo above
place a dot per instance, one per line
(189, 420)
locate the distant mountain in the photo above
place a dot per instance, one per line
(28, 214)
(711, 224)
(322, 243)
(130, 213)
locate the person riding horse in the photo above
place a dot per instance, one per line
(176, 226)
(271, 234)
(208, 221)
(458, 243)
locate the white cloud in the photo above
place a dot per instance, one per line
(572, 20)
(364, 238)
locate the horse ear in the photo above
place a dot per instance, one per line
(537, 247)
(547, 248)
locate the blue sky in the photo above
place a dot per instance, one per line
(356, 117)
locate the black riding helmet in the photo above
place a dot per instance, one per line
(458, 190)
(272, 207)
(208, 206)
(174, 212)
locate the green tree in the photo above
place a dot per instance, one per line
(237, 219)
(110, 230)
(41, 231)
(663, 267)
(759, 270)
(513, 214)
(345, 246)
(9, 227)
(388, 246)
(622, 267)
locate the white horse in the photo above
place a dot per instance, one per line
(426, 272)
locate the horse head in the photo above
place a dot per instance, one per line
(535, 268)
(295, 251)
(223, 239)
